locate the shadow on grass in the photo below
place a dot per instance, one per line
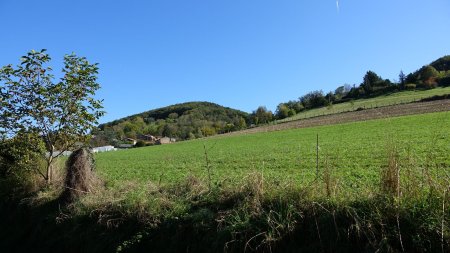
(235, 224)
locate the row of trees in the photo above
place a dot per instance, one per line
(428, 77)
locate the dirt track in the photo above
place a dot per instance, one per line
(376, 113)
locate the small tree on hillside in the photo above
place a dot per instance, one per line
(63, 113)
(428, 76)
(261, 115)
(402, 79)
(282, 111)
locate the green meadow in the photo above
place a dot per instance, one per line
(354, 154)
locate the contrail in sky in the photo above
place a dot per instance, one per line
(337, 5)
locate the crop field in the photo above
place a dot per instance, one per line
(353, 153)
(403, 97)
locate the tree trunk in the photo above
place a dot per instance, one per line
(48, 177)
(49, 171)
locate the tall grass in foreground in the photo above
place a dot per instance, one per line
(406, 211)
(384, 191)
(382, 185)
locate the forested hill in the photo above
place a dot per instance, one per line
(200, 119)
(182, 121)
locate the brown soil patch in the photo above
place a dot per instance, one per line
(368, 114)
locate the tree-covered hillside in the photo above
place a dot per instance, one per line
(435, 74)
(200, 119)
(181, 121)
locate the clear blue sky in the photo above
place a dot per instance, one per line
(237, 53)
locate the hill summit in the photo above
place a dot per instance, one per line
(181, 121)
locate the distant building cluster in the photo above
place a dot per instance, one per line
(141, 140)
(147, 140)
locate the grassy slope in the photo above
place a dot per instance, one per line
(386, 100)
(355, 151)
(264, 195)
(267, 211)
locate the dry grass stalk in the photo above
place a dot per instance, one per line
(254, 191)
(79, 177)
(390, 175)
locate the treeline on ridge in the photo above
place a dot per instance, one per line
(428, 77)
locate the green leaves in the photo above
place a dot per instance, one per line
(62, 112)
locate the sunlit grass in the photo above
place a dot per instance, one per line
(403, 97)
(355, 151)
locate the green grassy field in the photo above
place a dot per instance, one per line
(383, 186)
(403, 97)
(354, 153)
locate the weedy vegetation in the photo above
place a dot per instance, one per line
(382, 186)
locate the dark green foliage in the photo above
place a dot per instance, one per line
(140, 143)
(402, 80)
(412, 78)
(103, 138)
(444, 81)
(180, 121)
(370, 81)
(427, 76)
(62, 112)
(313, 99)
(261, 116)
(410, 86)
(20, 155)
(442, 64)
(282, 111)
(20, 163)
(373, 85)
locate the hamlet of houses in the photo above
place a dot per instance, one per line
(130, 143)
(148, 139)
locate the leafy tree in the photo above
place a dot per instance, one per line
(402, 79)
(103, 137)
(313, 99)
(412, 78)
(62, 112)
(330, 98)
(242, 124)
(262, 115)
(207, 131)
(282, 111)
(170, 130)
(428, 75)
(295, 106)
(442, 64)
(369, 81)
(342, 91)
(372, 79)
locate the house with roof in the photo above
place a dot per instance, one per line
(165, 140)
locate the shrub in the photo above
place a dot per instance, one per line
(21, 159)
(410, 86)
(140, 143)
(444, 81)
